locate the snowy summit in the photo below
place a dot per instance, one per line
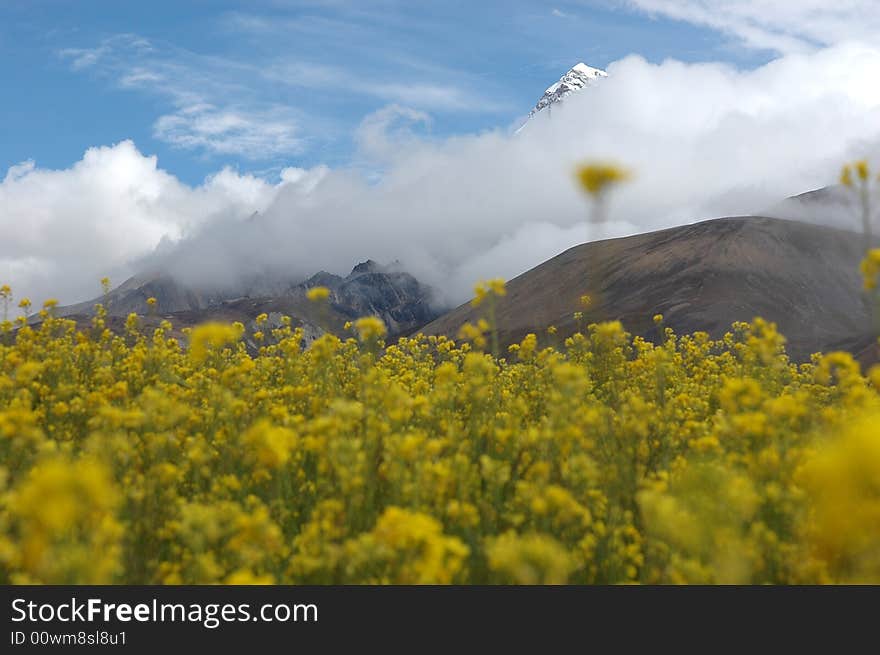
(577, 78)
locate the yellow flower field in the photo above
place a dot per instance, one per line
(135, 458)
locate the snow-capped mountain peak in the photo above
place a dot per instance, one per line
(588, 70)
(578, 77)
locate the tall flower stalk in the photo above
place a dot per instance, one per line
(857, 177)
(488, 291)
(597, 179)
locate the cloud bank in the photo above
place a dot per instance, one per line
(65, 229)
(704, 140)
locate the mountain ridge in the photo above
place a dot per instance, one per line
(701, 277)
(399, 299)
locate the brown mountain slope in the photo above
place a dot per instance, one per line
(703, 277)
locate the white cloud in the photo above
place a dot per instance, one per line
(139, 77)
(81, 58)
(780, 25)
(65, 229)
(19, 171)
(384, 133)
(704, 140)
(254, 135)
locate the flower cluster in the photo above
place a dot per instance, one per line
(870, 268)
(141, 458)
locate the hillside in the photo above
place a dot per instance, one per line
(703, 277)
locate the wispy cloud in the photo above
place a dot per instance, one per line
(250, 104)
(781, 25)
(254, 135)
(381, 55)
(213, 109)
(418, 92)
(82, 58)
(140, 77)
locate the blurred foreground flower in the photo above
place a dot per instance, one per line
(595, 178)
(317, 294)
(488, 291)
(63, 524)
(484, 289)
(857, 177)
(529, 559)
(841, 479)
(212, 336)
(870, 268)
(370, 328)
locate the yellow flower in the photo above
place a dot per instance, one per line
(132, 323)
(473, 333)
(211, 336)
(529, 559)
(496, 286)
(595, 178)
(63, 515)
(370, 328)
(248, 577)
(318, 294)
(407, 547)
(870, 268)
(270, 445)
(841, 478)
(485, 288)
(527, 347)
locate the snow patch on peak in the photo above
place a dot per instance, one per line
(588, 70)
(577, 78)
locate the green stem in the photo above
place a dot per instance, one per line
(493, 326)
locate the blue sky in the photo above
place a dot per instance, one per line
(263, 85)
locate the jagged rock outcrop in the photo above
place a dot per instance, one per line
(398, 298)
